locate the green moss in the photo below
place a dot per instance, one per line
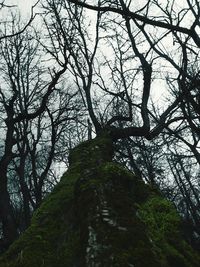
(92, 153)
(163, 226)
(120, 236)
(50, 230)
(100, 214)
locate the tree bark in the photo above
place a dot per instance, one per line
(101, 215)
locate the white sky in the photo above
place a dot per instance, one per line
(24, 5)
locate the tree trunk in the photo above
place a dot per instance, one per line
(7, 220)
(101, 215)
(9, 228)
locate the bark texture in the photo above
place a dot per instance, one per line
(101, 215)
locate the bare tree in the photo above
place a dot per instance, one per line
(24, 95)
(122, 54)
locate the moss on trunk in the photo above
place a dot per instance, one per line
(101, 215)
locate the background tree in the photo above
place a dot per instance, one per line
(30, 128)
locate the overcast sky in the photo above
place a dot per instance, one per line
(24, 5)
